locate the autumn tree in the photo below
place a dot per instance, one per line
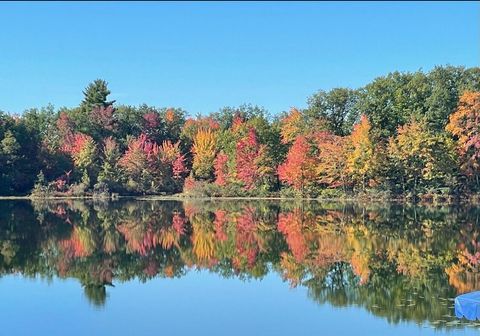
(152, 125)
(103, 121)
(84, 155)
(66, 130)
(172, 156)
(424, 159)
(464, 125)
(84, 151)
(361, 159)
(193, 126)
(174, 119)
(136, 161)
(298, 170)
(250, 160)
(204, 150)
(331, 169)
(221, 169)
(151, 167)
(292, 125)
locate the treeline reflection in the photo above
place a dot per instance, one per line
(399, 262)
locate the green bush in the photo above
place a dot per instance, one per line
(332, 194)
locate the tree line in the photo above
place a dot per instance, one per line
(404, 135)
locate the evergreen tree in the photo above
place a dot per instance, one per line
(95, 95)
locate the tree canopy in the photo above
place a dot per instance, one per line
(405, 134)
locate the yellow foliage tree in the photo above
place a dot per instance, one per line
(361, 158)
(292, 125)
(204, 150)
(422, 157)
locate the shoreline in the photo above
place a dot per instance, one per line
(181, 197)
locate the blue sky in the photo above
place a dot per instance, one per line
(202, 56)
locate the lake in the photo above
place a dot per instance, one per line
(235, 267)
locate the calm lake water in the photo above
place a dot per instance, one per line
(235, 268)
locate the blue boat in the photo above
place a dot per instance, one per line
(468, 306)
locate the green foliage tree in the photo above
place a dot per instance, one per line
(95, 111)
(425, 159)
(9, 154)
(338, 107)
(95, 95)
(110, 172)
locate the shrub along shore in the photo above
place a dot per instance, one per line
(405, 136)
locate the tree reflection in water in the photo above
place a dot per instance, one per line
(401, 262)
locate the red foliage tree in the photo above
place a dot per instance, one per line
(143, 164)
(139, 153)
(221, 169)
(65, 127)
(152, 120)
(172, 156)
(178, 167)
(249, 156)
(298, 170)
(104, 117)
(79, 143)
(237, 122)
(189, 184)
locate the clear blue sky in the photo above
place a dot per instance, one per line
(202, 56)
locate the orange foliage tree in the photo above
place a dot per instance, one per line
(332, 160)
(464, 124)
(298, 170)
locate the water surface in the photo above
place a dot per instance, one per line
(235, 267)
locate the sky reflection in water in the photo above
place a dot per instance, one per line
(236, 268)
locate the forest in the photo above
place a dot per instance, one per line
(406, 135)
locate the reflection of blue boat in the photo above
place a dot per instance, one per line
(468, 306)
